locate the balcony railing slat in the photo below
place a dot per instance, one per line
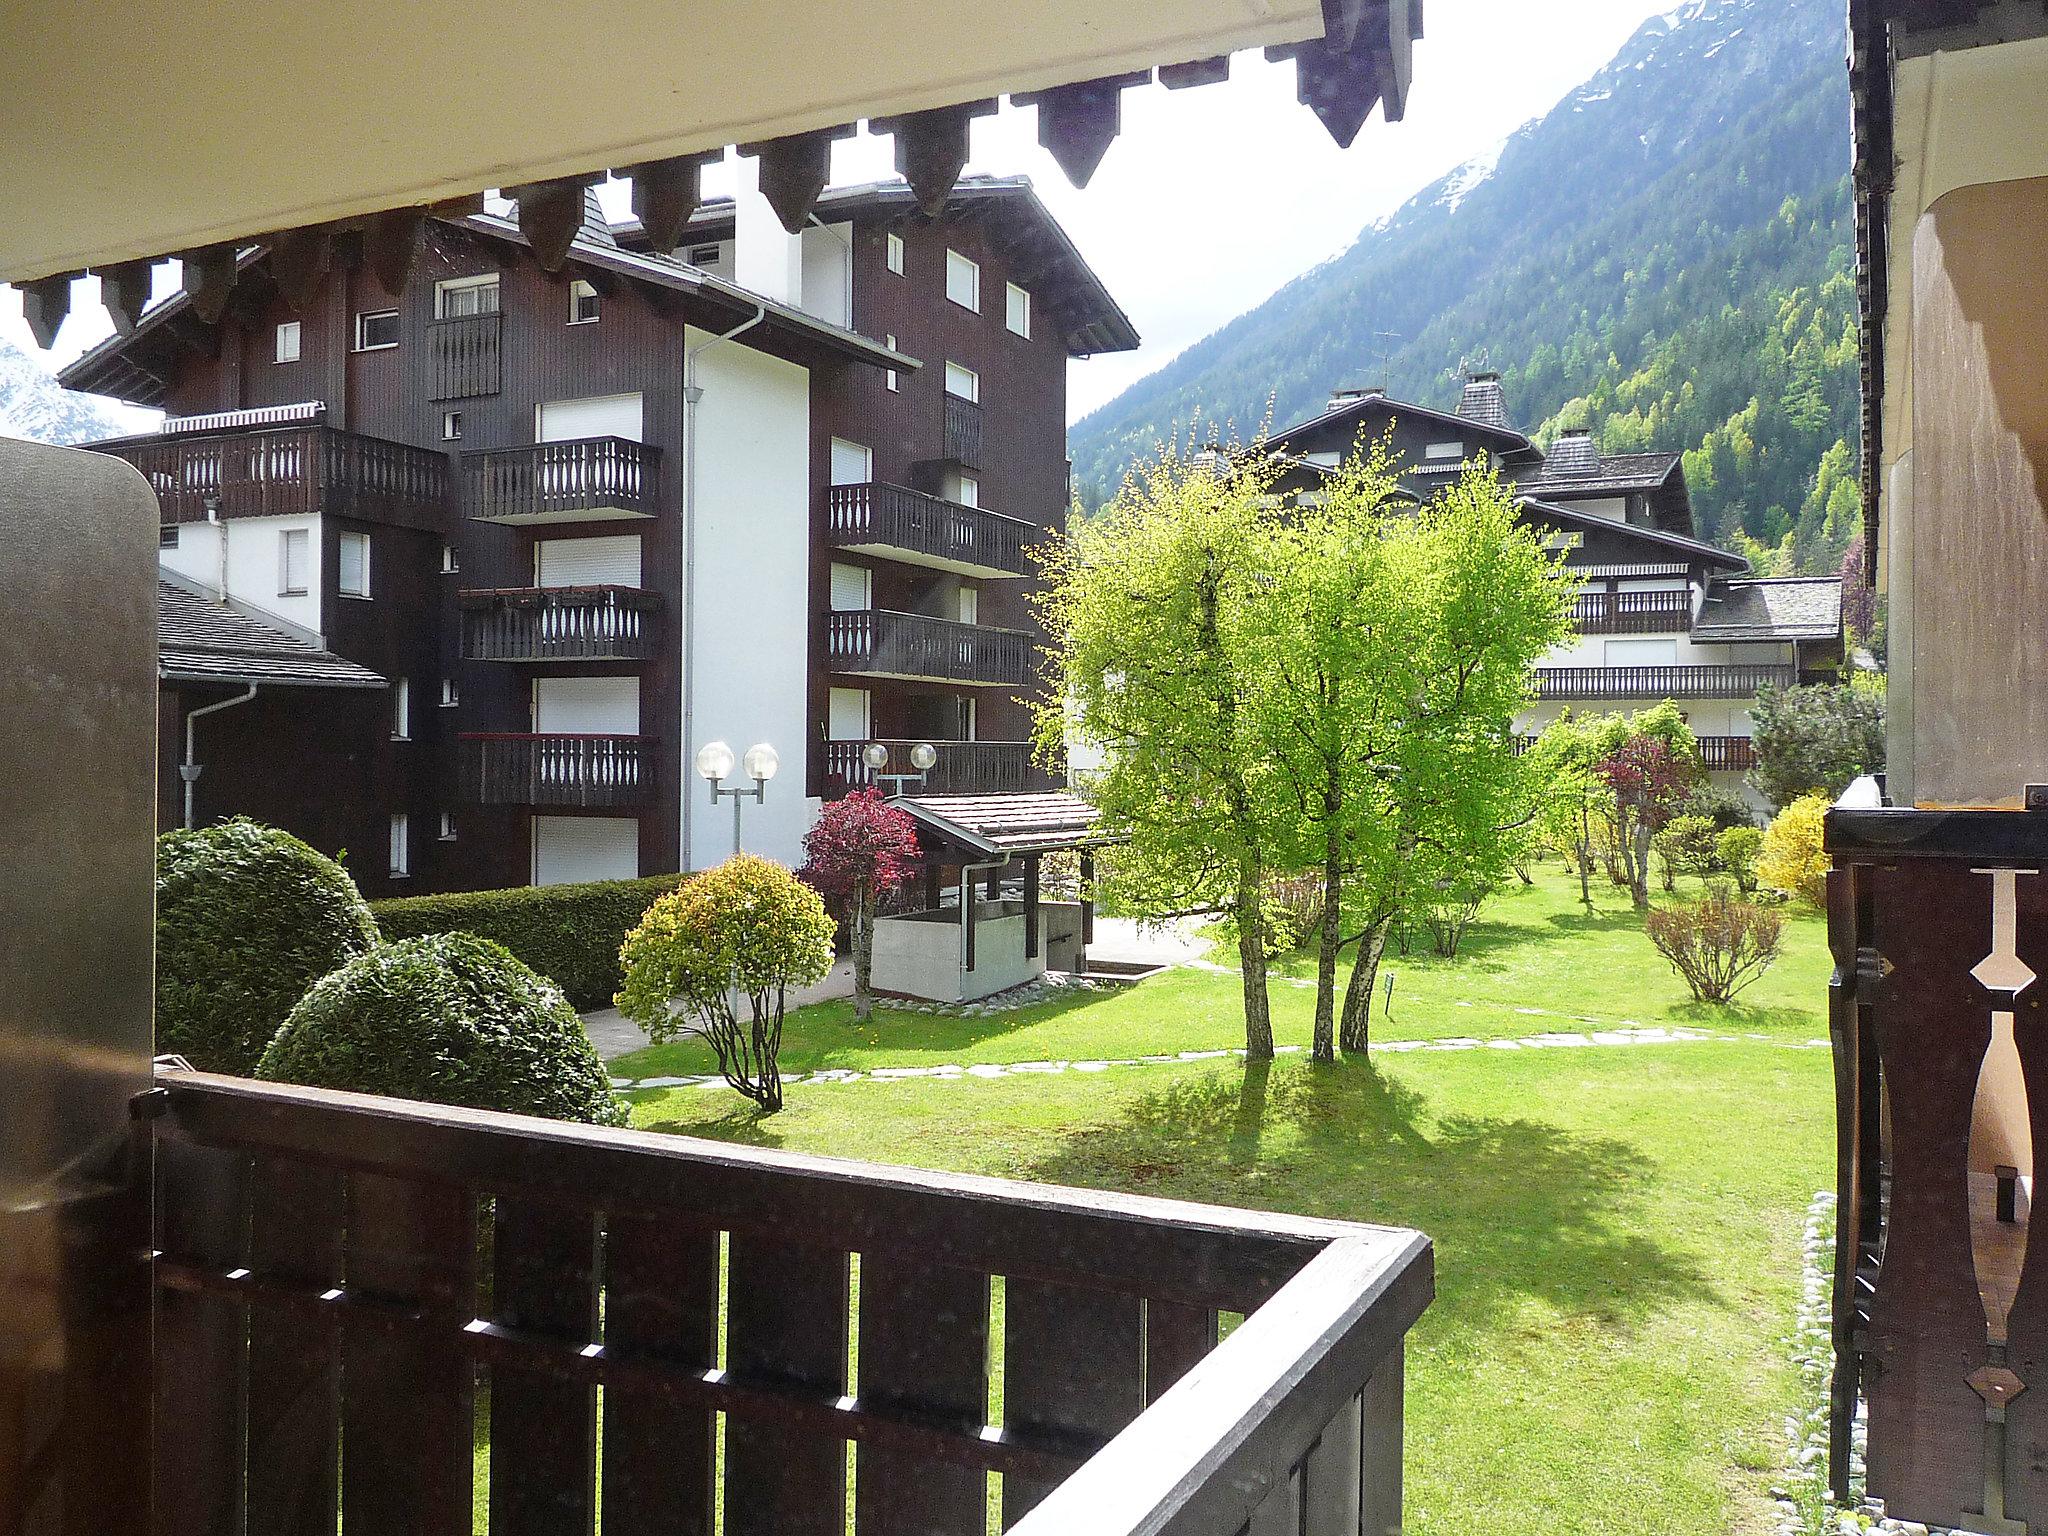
(298, 1212)
(661, 1306)
(591, 772)
(290, 471)
(407, 1412)
(463, 356)
(876, 514)
(1673, 682)
(543, 1429)
(962, 429)
(935, 1372)
(201, 1342)
(878, 641)
(786, 1325)
(963, 768)
(1073, 1365)
(589, 477)
(604, 623)
(1632, 613)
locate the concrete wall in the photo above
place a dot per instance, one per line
(918, 954)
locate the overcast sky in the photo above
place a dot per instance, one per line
(1214, 197)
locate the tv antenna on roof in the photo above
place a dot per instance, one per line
(1475, 362)
(1385, 339)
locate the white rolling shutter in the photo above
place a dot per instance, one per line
(569, 849)
(611, 561)
(562, 421)
(586, 706)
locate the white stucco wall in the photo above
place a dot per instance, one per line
(253, 563)
(751, 629)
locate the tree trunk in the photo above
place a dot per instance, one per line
(1356, 1035)
(1251, 956)
(1325, 1048)
(1585, 863)
(1641, 891)
(863, 950)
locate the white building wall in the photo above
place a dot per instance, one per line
(828, 273)
(254, 563)
(751, 628)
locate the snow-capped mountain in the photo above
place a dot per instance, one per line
(35, 406)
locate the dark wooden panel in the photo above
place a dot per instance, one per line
(661, 1303)
(1073, 1364)
(785, 1325)
(2026, 1333)
(1176, 1336)
(408, 1410)
(1280, 1513)
(543, 1429)
(201, 1347)
(1379, 1466)
(923, 1350)
(296, 1217)
(1927, 1328)
(1330, 1477)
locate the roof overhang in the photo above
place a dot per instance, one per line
(1705, 553)
(998, 828)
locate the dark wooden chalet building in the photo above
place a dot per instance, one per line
(1660, 613)
(760, 487)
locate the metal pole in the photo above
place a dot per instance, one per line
(736, 823)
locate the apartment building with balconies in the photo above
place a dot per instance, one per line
(584, 514)
(1660, 614)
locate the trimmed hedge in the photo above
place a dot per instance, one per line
(451, 1019)
(247, 918)
(569, 933)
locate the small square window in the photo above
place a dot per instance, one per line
(705, 255)
(294, 561)
(449, 564)
(450, 697)
(969, 491)
(376, 329)
(447, 826)
(894, 381)
(451, 426)
(401, 845)
(353, 578)
(1017, 310)
(895, 254)
(963, 281)
(582, 302)
(288, 341)
(167, 536)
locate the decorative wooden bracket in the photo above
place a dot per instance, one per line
(210, 279)
(44, 304)
(299, 264)
(550, 214)
(794, 171)
(1077, 123)
(124, 289)
(666, 193)
(1365, 58)
(931, 149)
(391, 244)
(1178, 77)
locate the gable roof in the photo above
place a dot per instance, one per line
(201, 640)
(1377, 401)
(997, 826)
(1692, 548)
(1772, 608)
(1615, 474)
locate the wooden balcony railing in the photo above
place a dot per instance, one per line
(963, 768)
(962, 434)
(327, 1318)
(290, 470)
(463, 356)
(1632, 613)
(1727, 754)
(584, 480)
(908, 525)
(588, 772)
(879, 643)
(1684, 682)
(1938, 923)
(606, 623)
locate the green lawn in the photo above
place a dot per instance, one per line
(1533, 947)
(1617, 1228)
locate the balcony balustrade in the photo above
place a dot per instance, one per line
(1632, 613)
(962, 430)
(582, 772)
(963, 768)
(1727, 754)
(589, 479)
(294, 470)
(464, 355)
(1678, 682)
(603, 623)
(875, 642)
(327, 1317)
(916, 529)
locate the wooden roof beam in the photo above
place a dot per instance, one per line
(666, 193)
(550, 214)
(124, 290)
(931, 149)
(44, 304)
(299, 264)
(1342, 81)
(210, 279)
(392, 244)
(1077, 123)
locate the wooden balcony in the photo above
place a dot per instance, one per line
(875, 642)
(328, 1319)
(961, 430)
(1727, 754)
(1693, 682)
(464, 356)
(1633, 613)
(916, 529)
(963, 768)
(1939, 929)
(606, 623)
(292, 470)
(587, 480)
(582, 772)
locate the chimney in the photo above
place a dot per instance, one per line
(1572, 455)
(1339, 398)
(1484, 401)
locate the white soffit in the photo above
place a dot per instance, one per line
(128, 129)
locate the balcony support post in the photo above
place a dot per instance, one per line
(1087, 899)
(1031, 907)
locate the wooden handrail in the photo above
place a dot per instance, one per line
(882, 641)
(875, 514)
(1698, 681)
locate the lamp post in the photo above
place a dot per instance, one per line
(922, 756)
(714, 762)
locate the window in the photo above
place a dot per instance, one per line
(451, 426)
(1452, 450)
(970, 605)
(457, 298)
(582, 303)
(852, 464)
(294, 561)
(353, 578)
(450, 696)
(1016, 310)
(964, 382)
(167, 536)
(893, 381)
(288, 341)
(401, 845)
(851, 591)
(895, 254)
(969, 491)
(447, 826)
(376, 329)
(705, 255)
(963, 281)
(449, 566)
(401, 709)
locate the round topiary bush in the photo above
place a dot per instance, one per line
(247, 918)
(452, 1019)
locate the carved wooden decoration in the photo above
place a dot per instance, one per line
(550, 213)
(210, 279)
(1365, 58)
(1178, 77)
(666, 193)
(298, 264)
(124, 289)
(931, 149)
(44, 304)
(794, 171)
(1077, 123)
(391, 244)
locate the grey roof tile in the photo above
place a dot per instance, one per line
(1772, 608)
(199, 640)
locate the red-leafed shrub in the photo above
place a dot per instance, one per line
(861, 849)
